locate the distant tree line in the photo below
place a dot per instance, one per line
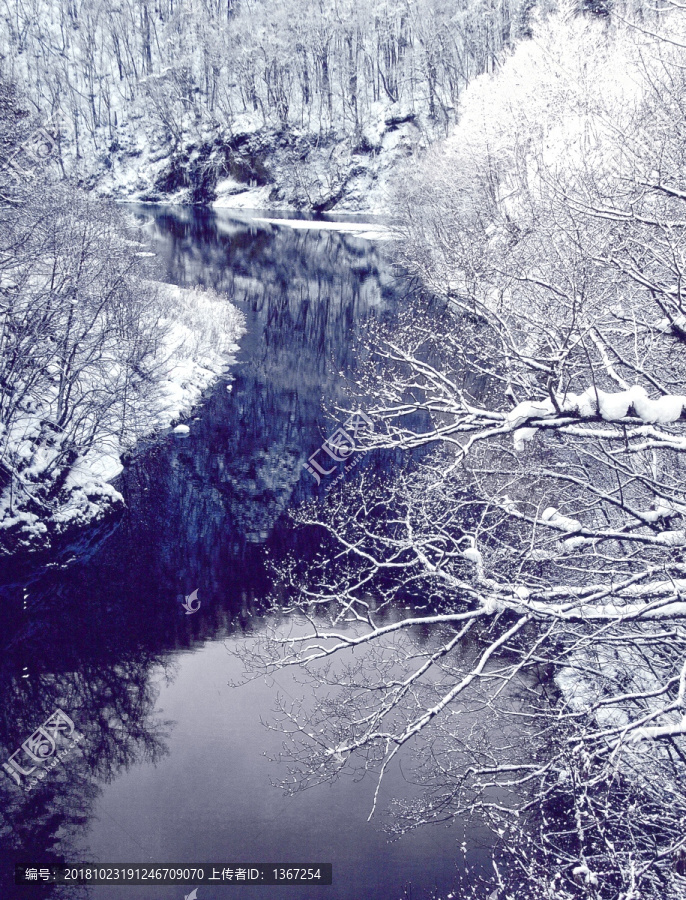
(194, 64)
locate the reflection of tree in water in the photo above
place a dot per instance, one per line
(42, 827)
(111, 704)
(206, 505)
(202, 512)
(201, 509)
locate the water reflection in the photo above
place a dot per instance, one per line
(69, 654)
(102, 637)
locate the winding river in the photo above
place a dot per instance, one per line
(176, 764)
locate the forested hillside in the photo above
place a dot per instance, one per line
(311, 101)
(94, 351)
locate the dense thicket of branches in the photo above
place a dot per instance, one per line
(201, 63)
(78, 333)
(542, 544)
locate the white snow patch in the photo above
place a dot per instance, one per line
(676, 538)
(530, 409)
(553, 518)
(586, 404)
(660, 411)
(522, 436)
(247, 198)
(367, 230)
(588, 876)
(613, 407)
(473, 555)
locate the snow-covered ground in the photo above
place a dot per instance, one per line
(200, 331)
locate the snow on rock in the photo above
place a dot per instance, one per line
(182, 429)
(232, 195)
(86, 500)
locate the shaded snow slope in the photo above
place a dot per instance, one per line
(200, 330)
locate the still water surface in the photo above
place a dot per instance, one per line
(176, 764)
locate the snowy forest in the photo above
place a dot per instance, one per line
(501, 608)
(172, 96)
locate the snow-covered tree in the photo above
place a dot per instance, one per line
(79, 332)
(197, 66)
(514, 607)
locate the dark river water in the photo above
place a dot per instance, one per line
(176, 764)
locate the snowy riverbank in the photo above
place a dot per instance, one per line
(199, 330)
(260, 167)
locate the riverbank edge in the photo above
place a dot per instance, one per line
(91, 502)
(281, 169)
